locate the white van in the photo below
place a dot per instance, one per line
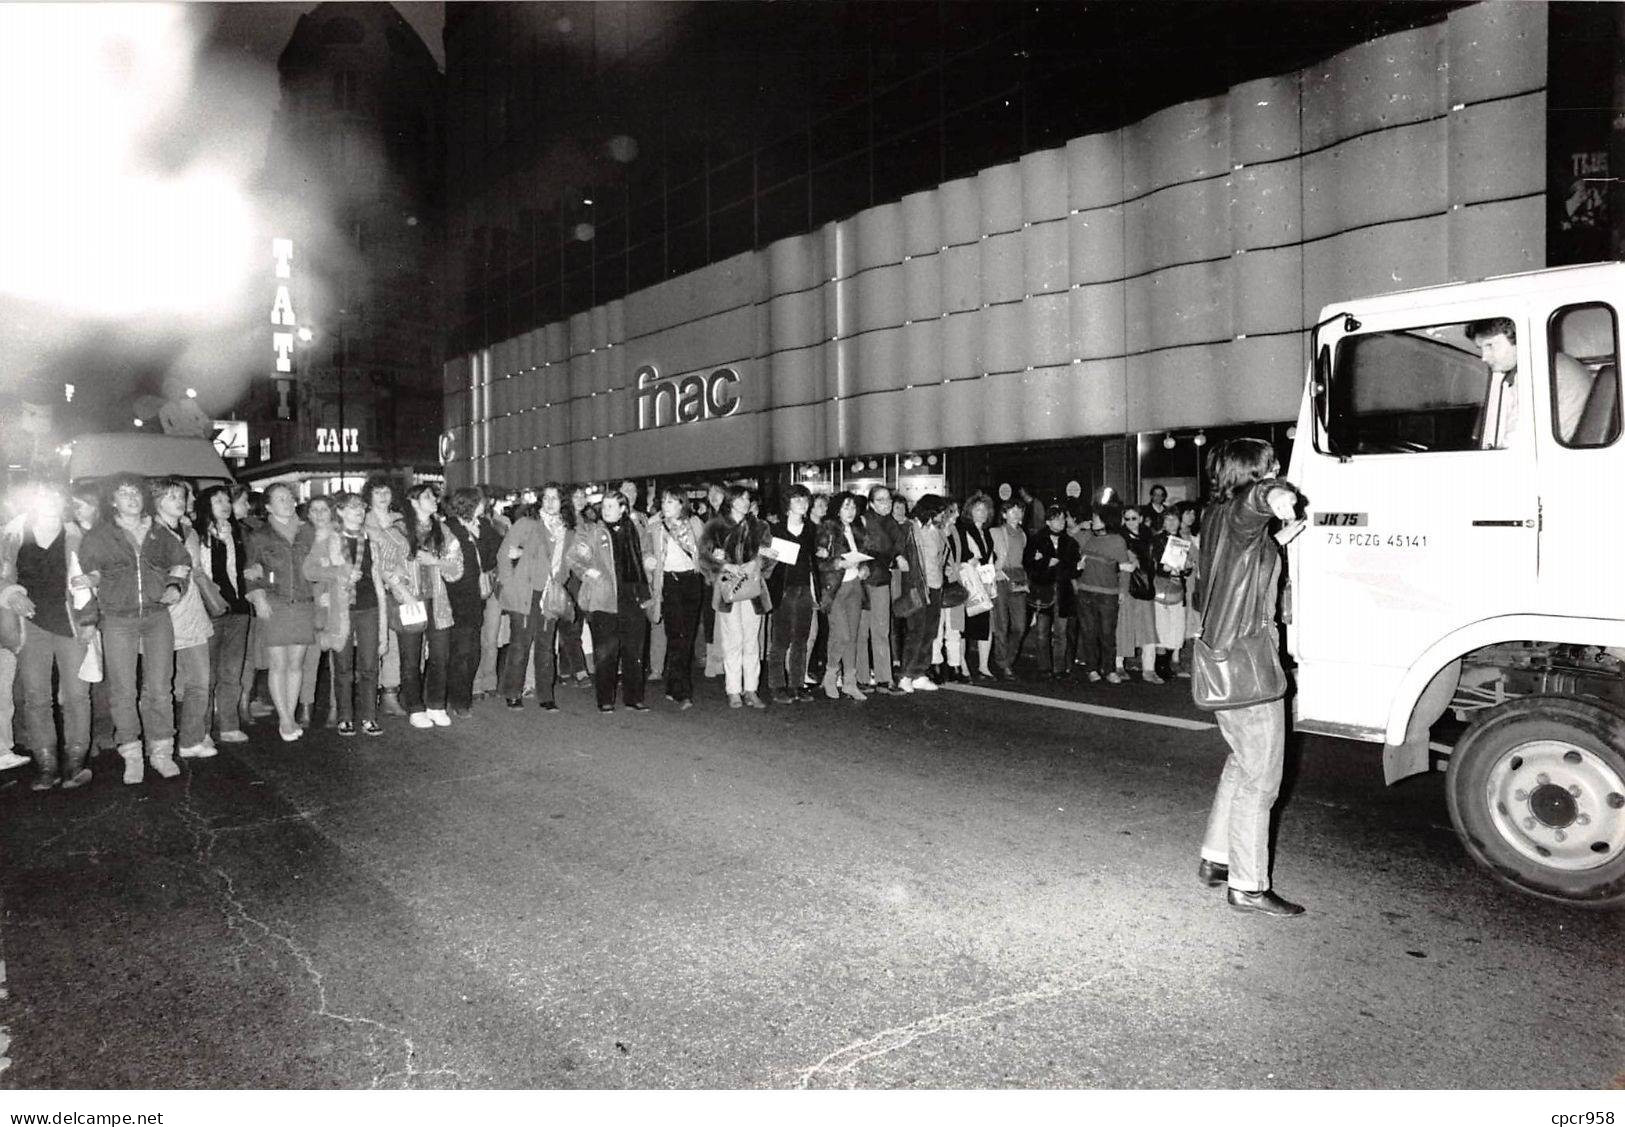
(1464, 527)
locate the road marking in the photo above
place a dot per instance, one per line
(1092, 709)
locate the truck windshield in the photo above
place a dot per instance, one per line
(1405, 391)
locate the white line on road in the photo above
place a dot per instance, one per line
(1091, 709)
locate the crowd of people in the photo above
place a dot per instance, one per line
(416, 604)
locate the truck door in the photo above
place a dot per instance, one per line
(1580, 458)
(1422, 505)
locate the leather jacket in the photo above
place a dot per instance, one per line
(1238, 580)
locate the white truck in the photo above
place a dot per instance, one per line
(1460, 454)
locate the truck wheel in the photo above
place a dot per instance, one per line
(1536, 789)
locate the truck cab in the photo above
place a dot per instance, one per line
(1459, 450)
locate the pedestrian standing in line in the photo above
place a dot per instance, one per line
(190, 620)
(1136, 613)
(383, 524)
(882, 539)
(573, 668)
(716, 502)
(318, 513)
(354, 625)
(1238, 592)
(899, 623)
(921, 569)
(495, 524)
(976, 548)
(39, 557)
(418, 561)
(533, 569)
(818, 640)
(1051, 562)
(283, 600)
(842, 586)
(672, 542)
(1009, 625)
(948, 646)
(137, 572)
(224, 557)
(1105, 559)
(480, 545)
(1170, 594)
(608, 557)
(731, 549)
(790, 585)
(87, 510)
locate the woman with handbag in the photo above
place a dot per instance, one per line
(976, 551)
(676, 589)
(190, 621)
(323, 526)
(283, 601)
(1170, 589)
(948, 646)
(818, 638)
(1051, 561)
(1238, 673)
(417, 557)
(533, 569)
(791, 587)
(731, 550)
(223, 560)
(353, 635)
(1009, 618)
(480, 545)
(608, 558)
(1136, 613)
(841, 594)
(920, 600)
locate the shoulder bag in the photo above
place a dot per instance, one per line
(1247, 673)
(408, 617)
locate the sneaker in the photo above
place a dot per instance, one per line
(904, 685)
(134, 766)
(855, 693)
(782, 697)
(1114, 678)
(10, 759)
(44, 782)
(346, 727)
(514, 702)
(925, 684)
(639, 707)
(371, 728)
(547, 706)
(684, 705)
(234, 736)
(606, 708)
(80, 778)
(420, 720)
(1094, 676)
(438, 717)
(198, 751)
(755, 701)
(1183, 674)
(1152, 679)
(734, 701)
(162, 757)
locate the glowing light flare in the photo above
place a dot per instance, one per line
(87, 224)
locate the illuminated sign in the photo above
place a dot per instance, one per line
(231, 437)
(282, 316)
(332, 441)
(663, 400)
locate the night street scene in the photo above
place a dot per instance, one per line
(578, 558)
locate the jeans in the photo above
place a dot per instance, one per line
(1009, 625)
(461, 662)
(41, 651)
(423, 684)
(922, 631)
(228, 652)
(192, 679)
(843, 636)
(309, 673)
(1097, 631)
(1238, 828)
(874, 637)
(125, 638)
(617, 652)
(1054, 641)
(787, 638)
(681, 595)
(485, 676)
(389, 662)
(355, 669)
(102, 729)
(818, 648)
(739, 633)
(572, 658)
(524, 631)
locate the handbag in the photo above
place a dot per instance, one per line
(738, 588)
(409, 617)
(1017, 577)
(555, 601)
(1041, 595)
(213, 601)
(954, 594)
(1170, 591)
(1247, 673)
(1141, 585)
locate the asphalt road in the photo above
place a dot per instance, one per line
(938, 891)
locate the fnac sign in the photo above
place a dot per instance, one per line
(663, 400)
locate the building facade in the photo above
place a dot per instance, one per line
(353, 180)
(1084, 313)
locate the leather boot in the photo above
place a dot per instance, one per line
(45, 776)
(389, 703)
(74, 772)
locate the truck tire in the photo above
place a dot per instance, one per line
(1536, 788)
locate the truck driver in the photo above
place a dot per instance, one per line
(1497, 341)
